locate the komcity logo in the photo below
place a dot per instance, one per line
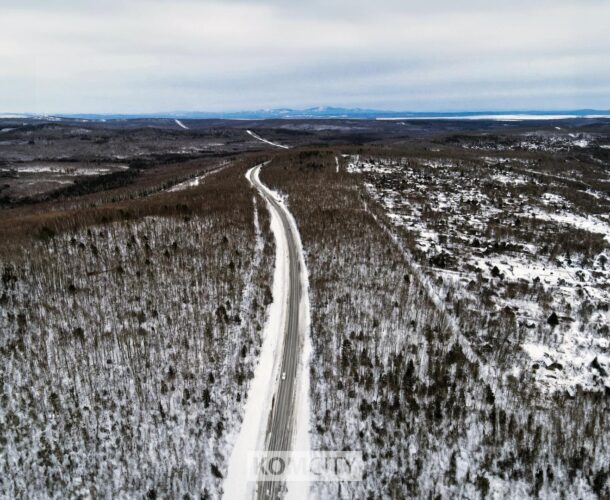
(307, 466)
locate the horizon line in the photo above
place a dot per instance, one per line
(322, 112)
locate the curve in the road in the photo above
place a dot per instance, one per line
(281, 422)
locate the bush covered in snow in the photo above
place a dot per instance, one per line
(127, 348)
(400, 371)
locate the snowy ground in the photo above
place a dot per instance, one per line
(429, 388)
(126, 353)
(483, 230)
(194, 182)
(252, 432)
(537, 141)
(63, 169)
(259, 138)
(181, 125)
(251, 435)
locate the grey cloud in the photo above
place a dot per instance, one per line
(157, 55)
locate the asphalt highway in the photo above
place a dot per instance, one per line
(280, 424)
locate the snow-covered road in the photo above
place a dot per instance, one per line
(277, 410)
(259, 138)
(182, 125)
(194, 182)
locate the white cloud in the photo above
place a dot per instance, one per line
(157, 55)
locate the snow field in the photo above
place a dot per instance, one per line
(141, 337)
(435, 200)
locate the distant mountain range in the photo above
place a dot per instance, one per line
(329, 112)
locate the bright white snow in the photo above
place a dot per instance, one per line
(266, 376)
(251, 435)
(576, 343)
(180, 124)
(61, 170)
(258, 137)
(587, 223)
(197, 180)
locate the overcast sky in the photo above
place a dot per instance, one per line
(433, 55)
